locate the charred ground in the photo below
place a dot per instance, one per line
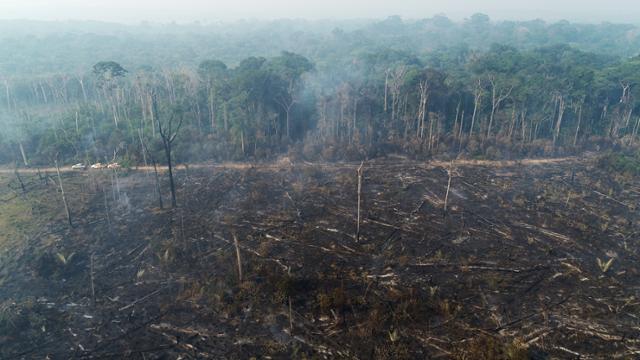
(519, 266)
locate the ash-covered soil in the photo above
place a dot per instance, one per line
(529, 261)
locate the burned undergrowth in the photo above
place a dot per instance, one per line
(528, 261)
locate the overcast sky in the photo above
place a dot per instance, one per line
(131, 11)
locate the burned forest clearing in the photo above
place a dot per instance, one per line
(504, 260)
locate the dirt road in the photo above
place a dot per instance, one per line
(385, 162)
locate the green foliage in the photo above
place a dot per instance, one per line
(361, 89)
(620, 163)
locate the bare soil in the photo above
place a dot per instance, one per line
(531, 260)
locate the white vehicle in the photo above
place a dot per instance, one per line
(98, 166)
(114, 166)
(79, 166)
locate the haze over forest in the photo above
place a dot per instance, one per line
(207, 11)
(353, 82)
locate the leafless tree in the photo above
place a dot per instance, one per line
(168, 133)
(64, 198)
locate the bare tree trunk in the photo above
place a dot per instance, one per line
(359, 172)
(575, 138)
(93, 289)
(171, 182)
(455, 123)
(446, 197)
(84, 91)
(476, 104)
(513, 123)
(64, 198)
(242, 141)
(561, 108)
(461, 126)
(422, 109)
(355, 115)
(635, 132)
(238, 259)
(106, 206)
(287, 116)
(386, 89)
(496, 100)
(142, 147)
(24, 155)
(226, 117)
(77, 127)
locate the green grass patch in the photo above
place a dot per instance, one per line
(620, 163)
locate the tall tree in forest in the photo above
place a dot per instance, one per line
(107, 74)
(289, 68)
(213, 74)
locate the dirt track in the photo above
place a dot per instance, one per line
(286, 163)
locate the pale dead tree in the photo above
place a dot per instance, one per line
(395, 85)
(77, 125)
(498, 96)
(386, 88)
(431, 121)
(455, 122)
(142, 148)
(80, 79)
(514, 118)
(578, 110)
(93, 289)
(286, 101)
(460, 132)
(106, 206)
(20, 146)
(344, 95)
(524, 126)
(355, 117)
(634, 134)
(435, 120)
(359, 173)
(626, 92)
(238, 258)
(423, 87)
(44, 94)
(168, 78)
(461, 126)
(477, 98)
(522, 119)
(7, 88)
(627, 103)
(446, 197)
(64, 198)
(561, 109)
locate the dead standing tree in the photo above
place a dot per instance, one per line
(168, 133)
(359, 172)
(498, 96)
(155, 171)
(446, 197)
(64, 198)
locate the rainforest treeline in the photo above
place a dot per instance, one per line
(375, 99)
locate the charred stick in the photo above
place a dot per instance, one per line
(237, 245)
(64, 198)
(93, 289)
(359, 200)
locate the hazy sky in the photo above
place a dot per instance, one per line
(211, 10)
